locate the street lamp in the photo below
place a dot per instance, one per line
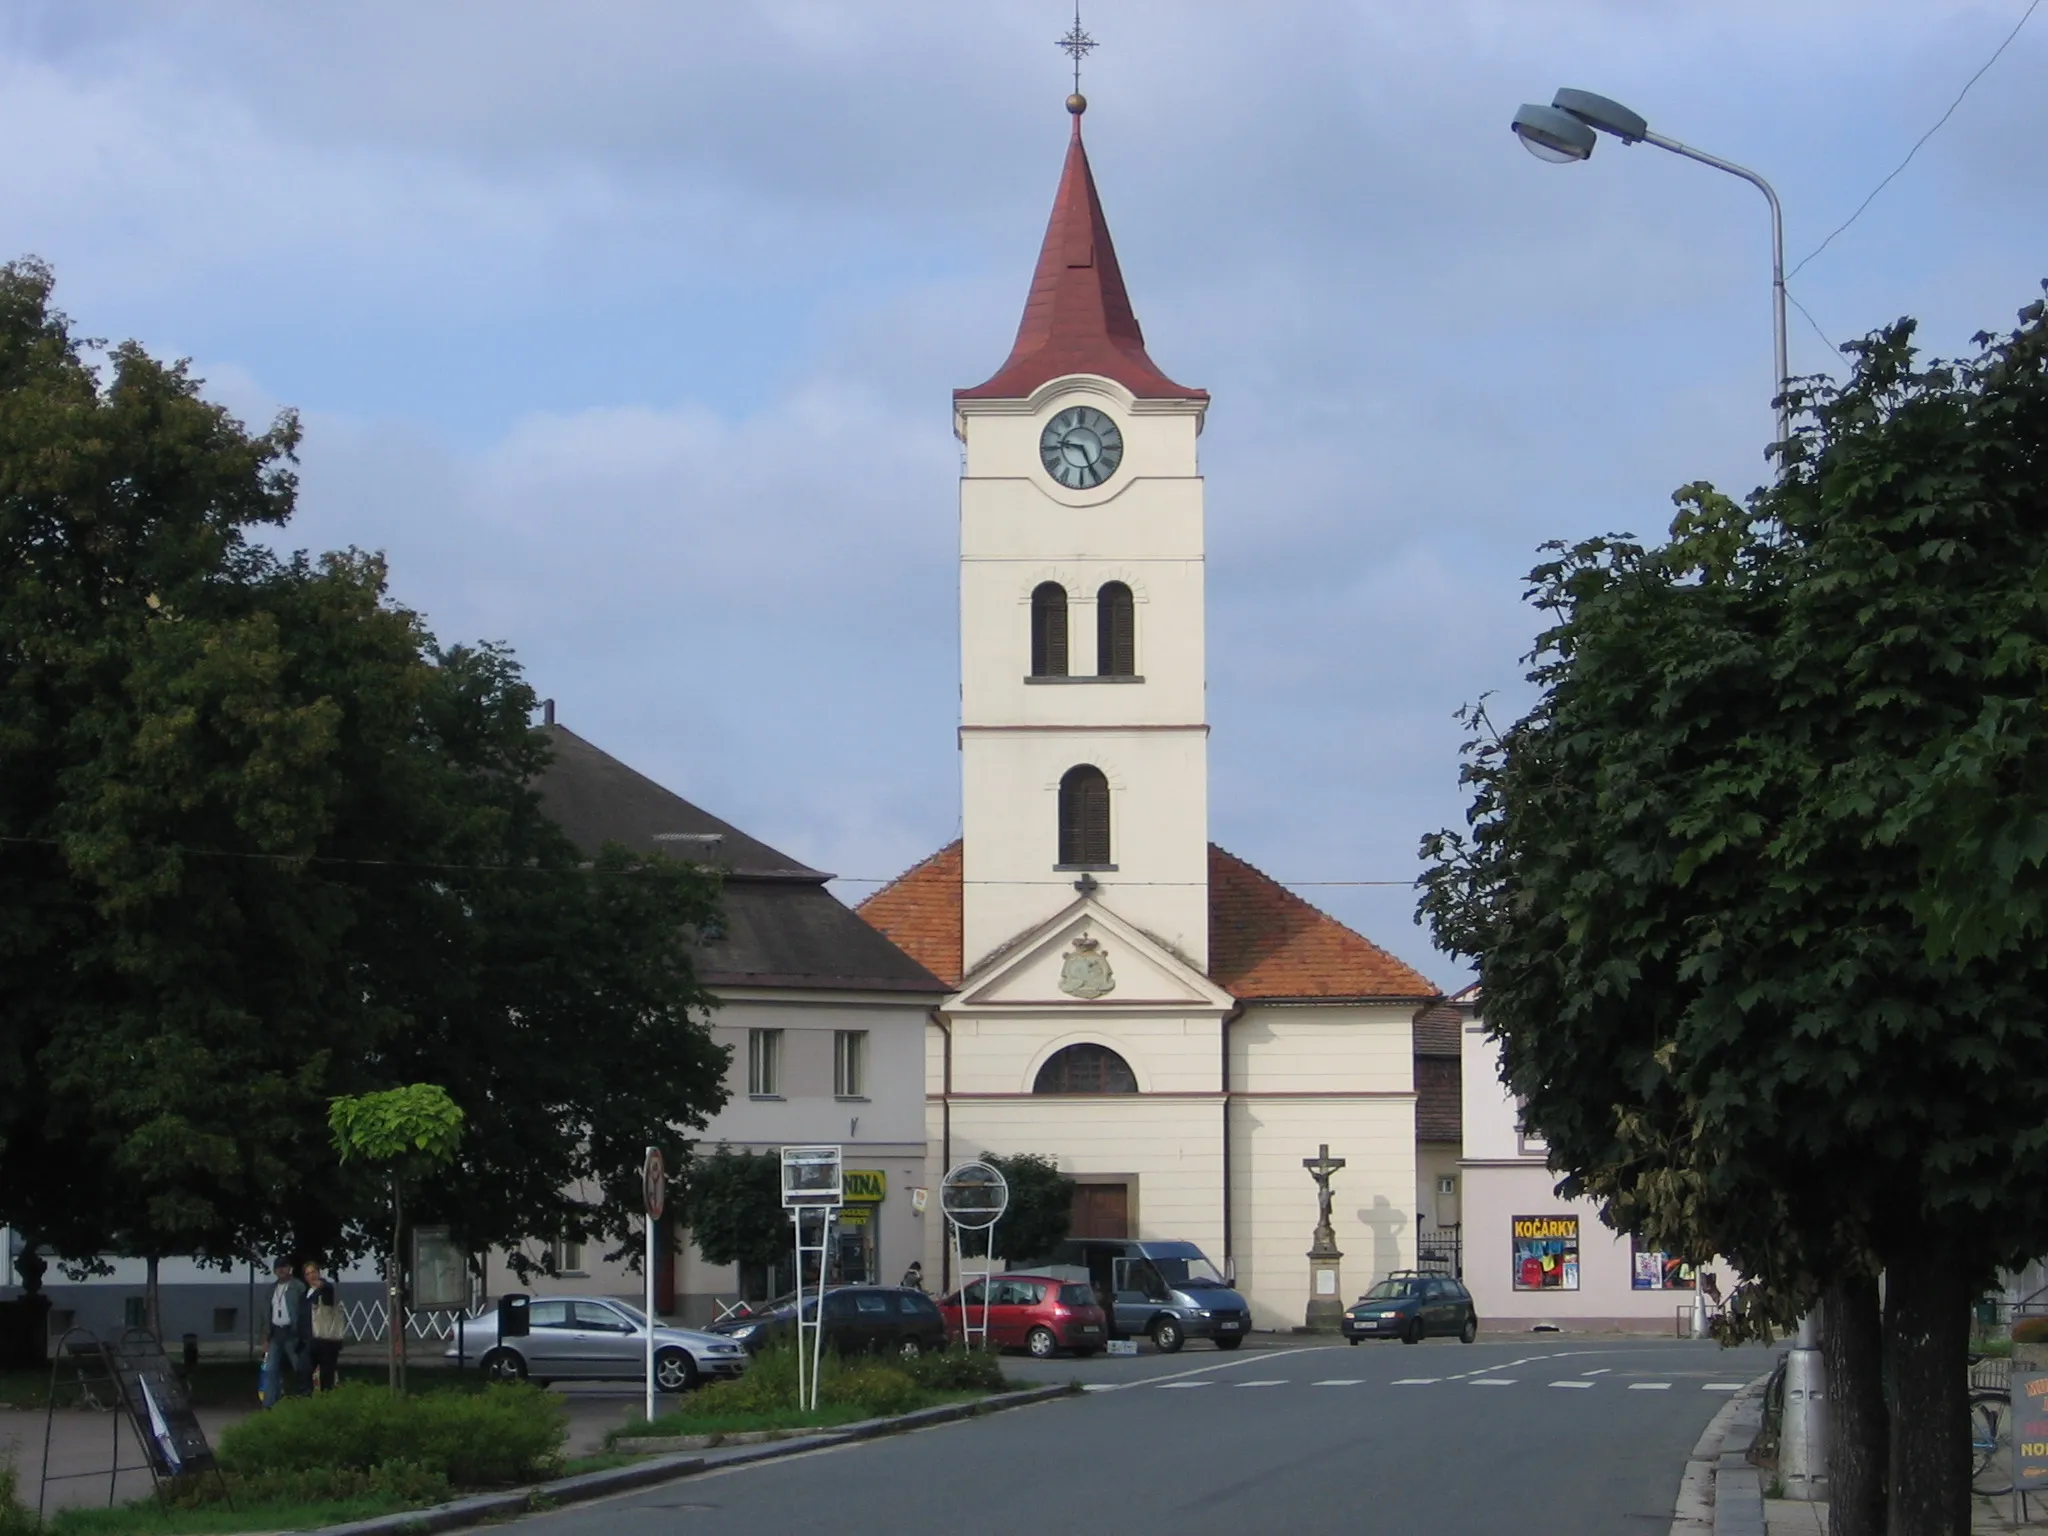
(1563, 133)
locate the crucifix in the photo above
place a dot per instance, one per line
(1320, 1167)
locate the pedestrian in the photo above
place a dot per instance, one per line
(326, 1328)
(284, 1360)
(913, 1277)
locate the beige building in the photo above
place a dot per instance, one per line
(1178, 1029)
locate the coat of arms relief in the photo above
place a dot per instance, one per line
(1084, 970)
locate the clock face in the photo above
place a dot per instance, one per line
(1080, 447)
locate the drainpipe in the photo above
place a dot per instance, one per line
(945, 1143)
(1229, 1246)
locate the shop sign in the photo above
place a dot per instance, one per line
(2030, 1431)
(868, 1184)
(1546, 1253)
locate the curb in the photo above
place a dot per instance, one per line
(1719, 1490)
(480, 1508)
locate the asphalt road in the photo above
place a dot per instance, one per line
(1585, 1436)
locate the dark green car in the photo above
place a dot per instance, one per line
(1410, 1306)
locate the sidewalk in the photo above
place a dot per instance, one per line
(1788, 1517)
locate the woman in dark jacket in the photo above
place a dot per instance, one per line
(326, 1327)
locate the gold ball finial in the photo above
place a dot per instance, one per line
(1077, 103)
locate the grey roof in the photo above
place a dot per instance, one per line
(782, 927)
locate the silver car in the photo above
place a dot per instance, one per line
(593, 1338)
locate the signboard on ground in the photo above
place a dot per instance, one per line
(440, 1271)
(2030, 1431)
(159, 1407)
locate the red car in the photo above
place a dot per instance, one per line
(1030, 1312)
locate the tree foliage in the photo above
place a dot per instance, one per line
(1041, 1206)
(265, 843)
(732, 1204)
(1755, 887)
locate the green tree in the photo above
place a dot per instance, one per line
(1041, 1207)
(405, 1134)
(264, 842)
(732, 1204)
(1751, 887)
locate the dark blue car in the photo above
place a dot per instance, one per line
(1410, 1306)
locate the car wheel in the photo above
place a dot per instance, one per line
(1353, 1343)
(675, 1371)
(502, 1365)
(909, 1349)
(1167, 1337)
(1413, 1335)
(1471, 1329)
(1041, 1343)
(1230, 1343)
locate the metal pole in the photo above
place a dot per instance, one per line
(1779, 357)
(650, 1319)
(796, 1214)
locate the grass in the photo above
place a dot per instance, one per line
(148, 1519)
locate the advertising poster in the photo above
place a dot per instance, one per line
(2030, 1431)
(1546, 1253)
(1656, 1271)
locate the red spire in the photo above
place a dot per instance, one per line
(1078, 318)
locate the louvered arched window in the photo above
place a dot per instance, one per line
(1049, 630)
(1086, 1069)
(1116, 645)
(1084, 818)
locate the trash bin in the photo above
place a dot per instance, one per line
(512, 1315)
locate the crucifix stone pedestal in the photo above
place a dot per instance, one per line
(1325, 1261)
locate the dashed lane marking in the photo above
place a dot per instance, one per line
(1602, 1371)
(1183, 1386)
(1582, 1385)
(1491, 1381)
(1649, 1386)
(1260, 1383)
(1417, 1381)
(1721, 1386)
(1341, 1381)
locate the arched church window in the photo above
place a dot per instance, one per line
(1086, 1069)
(1084, 818)
(1116, 649)
(1049, 630)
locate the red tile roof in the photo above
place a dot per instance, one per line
(919, 912)
(1264, 941)
(1078, 318)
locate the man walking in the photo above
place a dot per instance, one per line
(284, 1361)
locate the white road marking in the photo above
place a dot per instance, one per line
(1491, 1381)
(1102, 1386)
(1649, 1386)
(1721, 1386)
(1258, 1383)
(1339, 1382)
(1168, 1386)
(1417, 1381)
(1602, 1371)
(1580, 1384)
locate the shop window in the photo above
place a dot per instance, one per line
(1651, 1269)
(1546, 1253)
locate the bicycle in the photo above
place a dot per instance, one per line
(1990, 1447)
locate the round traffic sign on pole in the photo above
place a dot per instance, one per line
(974, 1196)
(654, 1183)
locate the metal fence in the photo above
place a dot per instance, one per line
(1441, 1251)
(369, 1322)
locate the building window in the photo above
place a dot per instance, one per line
(1546, 1253)
(568, 1256)
(1116, 647)
(1527, 1142)
(224, 1319)
(1086, 1069)
(1049, 630)
(764, 1063)
(1084, 819)
(850, 1063)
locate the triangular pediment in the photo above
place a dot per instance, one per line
(1087, 956)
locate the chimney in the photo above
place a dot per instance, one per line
(547, 711)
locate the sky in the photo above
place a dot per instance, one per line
(626, 329)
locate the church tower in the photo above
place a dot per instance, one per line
(1083, 716)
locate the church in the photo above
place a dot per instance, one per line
(1178, 1029)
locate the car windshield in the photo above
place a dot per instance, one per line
(1184, 1267)
(1394, 1290)
(1076, 1296)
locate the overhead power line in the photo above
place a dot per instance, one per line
(2025, 16)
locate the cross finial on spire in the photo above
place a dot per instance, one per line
(1077, 45)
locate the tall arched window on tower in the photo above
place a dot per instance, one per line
(1049, 630)
(1085, 1069)
(1116, 644)
(1084, 818)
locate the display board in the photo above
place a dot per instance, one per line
(159, 1407)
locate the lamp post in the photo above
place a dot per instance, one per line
(1563, 133)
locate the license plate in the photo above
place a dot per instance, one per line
(1230, 1327)
(1090, 1328)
